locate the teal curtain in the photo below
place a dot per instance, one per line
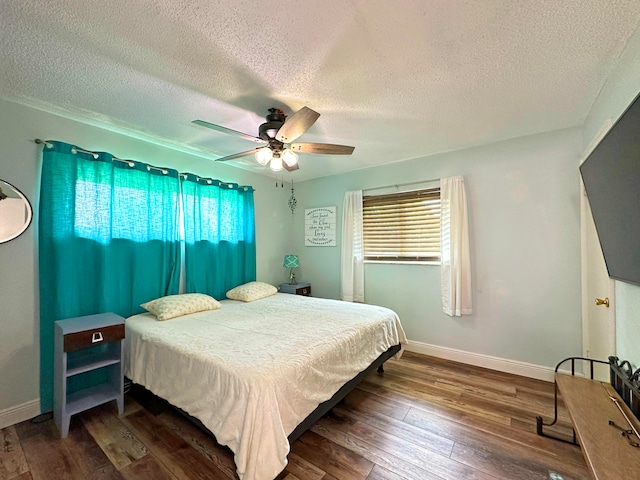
(219, 231)
(109, 240)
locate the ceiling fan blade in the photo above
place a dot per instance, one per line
(322, 148)
(290, 169)
(229, 131)
(237, 155)
(296, 125)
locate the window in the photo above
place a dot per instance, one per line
(125, 203)
(402, 227)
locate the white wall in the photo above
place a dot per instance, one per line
(20, 164)
(628, 322)
(621, 88)
(523, 197)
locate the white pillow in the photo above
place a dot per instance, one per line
(252, 291)
(171, 306)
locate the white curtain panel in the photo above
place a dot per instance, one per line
(352, 278)
(454, 246)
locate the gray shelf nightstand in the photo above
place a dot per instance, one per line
(296, 288)
(85, 344)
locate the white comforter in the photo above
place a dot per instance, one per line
(251, 372)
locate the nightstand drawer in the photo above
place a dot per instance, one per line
(306, 291)
(303, 289)
(90, 338)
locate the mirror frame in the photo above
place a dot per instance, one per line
(29, 210)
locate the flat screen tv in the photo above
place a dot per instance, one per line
(611, 176)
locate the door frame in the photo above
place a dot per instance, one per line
(585, 260)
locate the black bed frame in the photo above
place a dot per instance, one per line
(324, 407)
(154, 403)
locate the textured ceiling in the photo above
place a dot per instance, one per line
(397, 80)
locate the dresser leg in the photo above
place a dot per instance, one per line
(64, 425)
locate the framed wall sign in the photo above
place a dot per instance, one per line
(320, 227)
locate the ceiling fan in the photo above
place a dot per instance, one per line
(276, 135)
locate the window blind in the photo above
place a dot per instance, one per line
(402, 226)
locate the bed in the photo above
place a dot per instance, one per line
(252, 372)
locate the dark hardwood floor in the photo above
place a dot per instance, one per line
(424, 418)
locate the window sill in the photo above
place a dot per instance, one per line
(400, 262)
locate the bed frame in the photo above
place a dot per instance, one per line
(324, 407)
(151, 401)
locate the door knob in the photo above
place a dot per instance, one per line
(605, 302)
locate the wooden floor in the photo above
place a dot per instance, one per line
(422, 419)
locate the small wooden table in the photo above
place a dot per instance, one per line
(607, 452)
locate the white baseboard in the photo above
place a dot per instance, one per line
(19, 413)
(494, 363)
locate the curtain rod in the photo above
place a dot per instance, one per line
(398, 185)
(131, 163)
(95, 155)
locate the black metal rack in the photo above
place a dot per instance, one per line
(627, 383)
(621, 376)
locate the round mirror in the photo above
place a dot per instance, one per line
(15, 212)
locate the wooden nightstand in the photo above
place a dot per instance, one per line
(296, 288)
(85, 344)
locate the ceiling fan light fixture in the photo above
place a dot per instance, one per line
(264, 155)
(276, 164)
(289, 157)
(278, 133)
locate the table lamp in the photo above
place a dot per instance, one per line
(291, 262)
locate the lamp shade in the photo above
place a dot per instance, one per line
(291, 261)
(276, 164)
(289, 157)
(264, 155)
